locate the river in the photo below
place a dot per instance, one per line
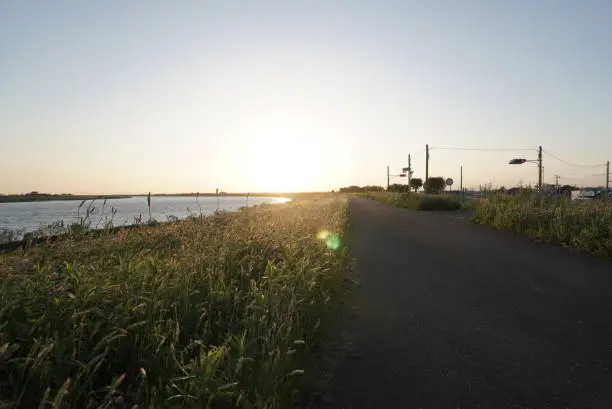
(29, 216)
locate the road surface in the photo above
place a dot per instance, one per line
(452, 315)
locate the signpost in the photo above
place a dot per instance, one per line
(449, 182)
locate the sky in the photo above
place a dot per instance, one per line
(186, 96)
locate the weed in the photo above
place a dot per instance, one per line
(586, 226)
(213, 312)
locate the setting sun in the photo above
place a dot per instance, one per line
(283, 154)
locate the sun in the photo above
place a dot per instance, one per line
(284, 156)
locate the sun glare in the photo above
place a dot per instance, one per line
(284, 156)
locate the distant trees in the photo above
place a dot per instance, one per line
(567, 190)
(396, 187)
(434, 184)
(416, 183)
(359, 189)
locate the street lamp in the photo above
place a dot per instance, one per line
(519, 161)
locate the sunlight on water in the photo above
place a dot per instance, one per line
(30, 216)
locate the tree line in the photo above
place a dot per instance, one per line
(433, 185)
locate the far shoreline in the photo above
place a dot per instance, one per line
(53, 198)
(44, 197)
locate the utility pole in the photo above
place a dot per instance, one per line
(409, 173)
(387, 178)
(540, 168)
(426, 163)
(461, 186)
(608, 180)
(557, 182)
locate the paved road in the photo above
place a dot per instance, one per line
(451, 315)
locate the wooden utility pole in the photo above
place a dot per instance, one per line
(540, 168)
(409, 172)
(461, 185)
(426, 163)
(608, 180)
(387, 178)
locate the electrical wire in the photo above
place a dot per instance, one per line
(572, 164)
(482, 149)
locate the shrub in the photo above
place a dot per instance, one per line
(416, 201)
(438, 203)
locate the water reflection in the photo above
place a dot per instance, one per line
(31, 215)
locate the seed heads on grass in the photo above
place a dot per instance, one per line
(197, 303)
(586, 226)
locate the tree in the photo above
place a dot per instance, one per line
(567, 190)
(359, 189)
(434, 185)
(396, 187)
(416, 183)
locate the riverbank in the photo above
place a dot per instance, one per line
(45, 197)
(234, 309)
(41, 219)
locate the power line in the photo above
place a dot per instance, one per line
(482, 149)
(573, 164)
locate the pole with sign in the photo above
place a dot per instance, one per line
(449, 183)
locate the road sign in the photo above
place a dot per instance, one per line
(449, 181)
(404, 169)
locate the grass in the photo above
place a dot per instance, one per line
(231, 311)
(416, 201)
(586, 226)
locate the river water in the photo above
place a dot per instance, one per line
(30, 216)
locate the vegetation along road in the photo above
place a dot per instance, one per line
(227, 311)
(454, 315)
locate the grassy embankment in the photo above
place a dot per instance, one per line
(416, 201)
(585, 225)
(232, 311)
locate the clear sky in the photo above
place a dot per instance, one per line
(182, 96)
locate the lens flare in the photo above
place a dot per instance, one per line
(323, 235)
(332, 241)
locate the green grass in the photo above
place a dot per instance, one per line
(586, 226)
(232, 311)
(416, 201)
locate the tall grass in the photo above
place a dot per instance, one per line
(415, 201)
(229, 311)
(584, 225)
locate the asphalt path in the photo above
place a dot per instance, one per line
(453, 315)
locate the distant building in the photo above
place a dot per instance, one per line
(583, 194)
